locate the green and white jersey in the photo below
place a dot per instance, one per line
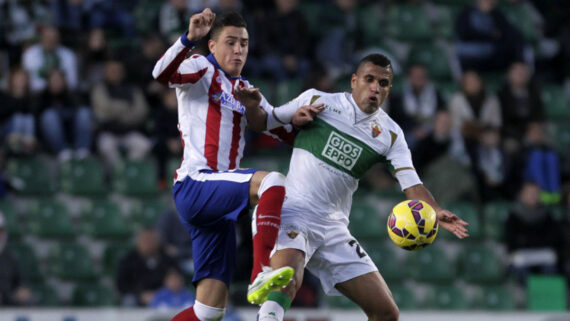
(334, 152)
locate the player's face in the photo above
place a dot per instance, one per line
(230, 49)
(370, 86)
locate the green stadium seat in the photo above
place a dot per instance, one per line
(136, 178)
(493, 81)
(311, 11)
(495, 214)
(546, 293)
(32, 174)
(445, 298)
(404, 296)
(71, 262)
(385, 258)
(112, 255)
(479, 264)
(28, 262)
(555, 101)
(92, 295)
(447, 89)
(434, 58)
(145, 213)
(287, 90)
(370, 19)
(408, 23)
(496, 298)
(83, 177)
(444, 25)
(145, 13)
(49, 219)
(12, 222)
(341, 302)
(104, 220)
(266, 87)
(365, 223)
(44, 295)
(431, 264)
(469, 213)
(560, 133)
(521, 17)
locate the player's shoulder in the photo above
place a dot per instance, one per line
(198, 59)
(314, 96)
(387, 121)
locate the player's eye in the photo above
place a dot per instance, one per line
(384, 83)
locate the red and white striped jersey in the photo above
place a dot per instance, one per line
(211, 120)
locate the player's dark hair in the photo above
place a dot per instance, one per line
(377, 59)
(227, 19)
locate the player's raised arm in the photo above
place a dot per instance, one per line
(166, 71)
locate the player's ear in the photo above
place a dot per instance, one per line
(212, 45)
(353, 81)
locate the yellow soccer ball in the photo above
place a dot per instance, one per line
(412, 225)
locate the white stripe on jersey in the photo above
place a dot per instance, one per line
(222, 176)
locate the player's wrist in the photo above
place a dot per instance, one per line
(188, 41)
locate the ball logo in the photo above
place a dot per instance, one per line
(341, 151)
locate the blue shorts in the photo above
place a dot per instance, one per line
(209, 204)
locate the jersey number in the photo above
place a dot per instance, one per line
(359, 251)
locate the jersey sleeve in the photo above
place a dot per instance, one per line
(174, 70)
(282, 115)
(400, 158)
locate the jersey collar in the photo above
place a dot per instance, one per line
(212, 59)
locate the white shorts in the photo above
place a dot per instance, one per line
(331, 253)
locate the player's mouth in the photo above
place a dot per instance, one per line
(373, 99)
(237, 61)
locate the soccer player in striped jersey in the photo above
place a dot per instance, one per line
(330, 154)
(210, 190)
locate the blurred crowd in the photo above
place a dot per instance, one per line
(468, 91)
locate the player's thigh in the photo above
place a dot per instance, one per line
(212, 292)
(254, 185)
(372, 294)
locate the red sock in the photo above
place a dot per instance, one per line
(267, 222)
(186, 315)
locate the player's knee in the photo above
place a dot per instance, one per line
(208, 313)
(389, 312)
(270, 180)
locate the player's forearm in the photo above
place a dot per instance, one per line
(168, 64)
(256, 118)
(420, 192)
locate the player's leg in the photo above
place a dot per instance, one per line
(372, 294)
(273, 309)
(267, 193)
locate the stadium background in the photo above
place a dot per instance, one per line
(71, 216)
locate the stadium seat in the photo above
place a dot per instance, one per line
(444, 25)
(447, 89)
(497, 298)
(112, 255)
(49, 218)
(445, 298)
(146, 212)
(560, 133)
(71, 262)
(12, 222)
(404, 296)
(494, 216)
(431, 264)
(479, 264)
(369, 17)
(28, 262)
(435, 58)
(83, 177)
(104, 220)
(287, 90)
(135, 178)
(521, 17)
(556, 104)
(408, 23)
(340, 302)
(44, 295)
(384, 256)
(468, 212)
(92, 295)
(266, 87)
(32, 175)
(546, 293)
(146, 15)
(493, 81)
(365, 223)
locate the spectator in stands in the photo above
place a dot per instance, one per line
(16, 118)
(282, 43)
(487, 41)
(112, 15)
(173, 19)
(473, 108)
(120, 110)
(173, 295)
(490, 164)
(40, 59)
(67, 17)
(63, 118)
(142, 270)
(415, 109)
(140, 66)
(177, 244)
(12, 289)
(93, 56)
(533, 237)
(167, 136)
(520, 104)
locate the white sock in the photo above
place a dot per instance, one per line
(270, 311)
(208, 313)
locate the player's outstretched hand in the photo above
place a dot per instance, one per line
(200, 24)
(452, 223)
(249, 97)
(306, 114)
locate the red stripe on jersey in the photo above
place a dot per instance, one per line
(236, 137)
(286, 137)
(213, 120)
(178, 78)
(169, 71)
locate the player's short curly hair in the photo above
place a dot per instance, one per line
(377, 59)
(230, 18)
